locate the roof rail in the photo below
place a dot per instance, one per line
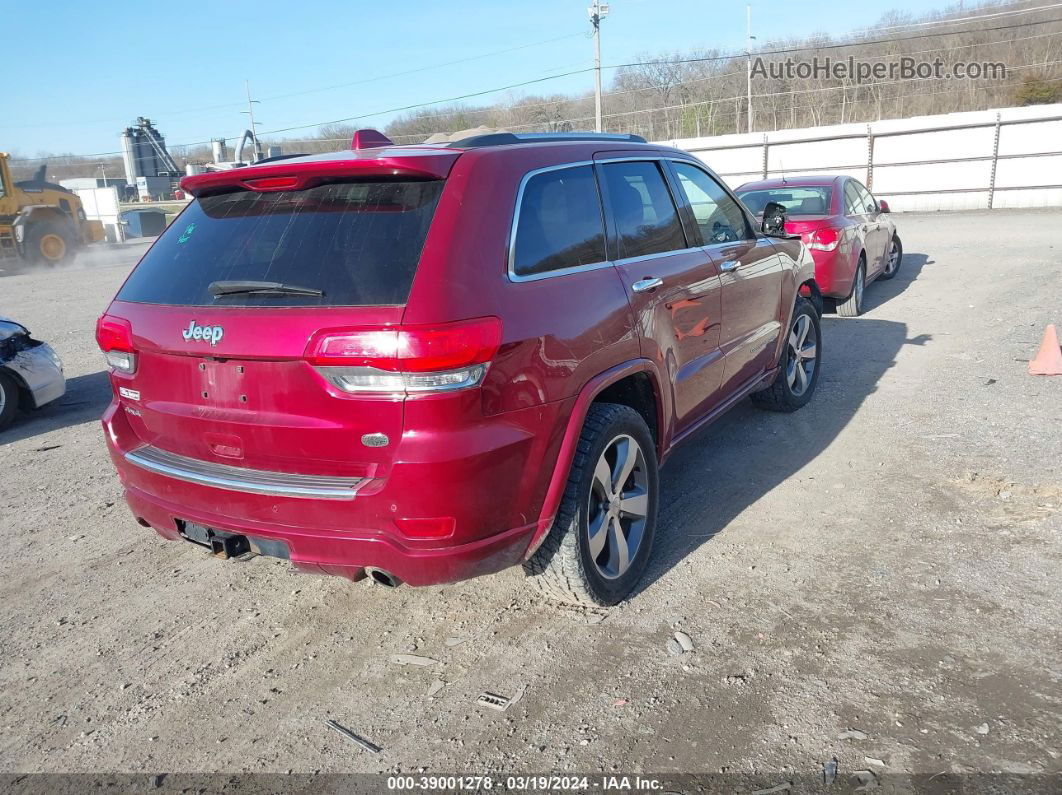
(508, 138)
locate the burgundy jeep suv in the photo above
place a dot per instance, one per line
(427, 363)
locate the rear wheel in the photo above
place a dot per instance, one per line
(895, 257)
(853, 304)
(48, 244)
(601, 540)
(8, 400)
(799, 371)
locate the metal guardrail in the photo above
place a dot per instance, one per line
(870, 165)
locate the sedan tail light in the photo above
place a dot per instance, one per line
(114, 335)
(403, 359)
(825, 239)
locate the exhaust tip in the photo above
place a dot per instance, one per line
(382, 577)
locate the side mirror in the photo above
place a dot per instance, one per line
(773, 220)
(883, 206)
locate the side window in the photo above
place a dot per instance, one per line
(646, 219)
(560, 224)
(853, 205)
(719, 217)
(868, 200)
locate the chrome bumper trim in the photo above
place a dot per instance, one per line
(255, 481)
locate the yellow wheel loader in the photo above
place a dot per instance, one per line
(41, 222)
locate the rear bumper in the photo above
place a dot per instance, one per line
(488, 480)
(831, 273)
(347, 554)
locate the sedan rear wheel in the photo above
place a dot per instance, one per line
(852, 306)
(892, 263)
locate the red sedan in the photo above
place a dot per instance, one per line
(849, 233)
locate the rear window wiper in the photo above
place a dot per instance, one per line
(218, 289)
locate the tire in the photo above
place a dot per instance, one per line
(8, 400)
(853, 304)
(49, 243)
(800, 365)
(892, 262)
(565, 567)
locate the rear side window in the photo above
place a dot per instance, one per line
(646, 219)
(560, 224)
(347, 244)
(869, 204)
(853, 203)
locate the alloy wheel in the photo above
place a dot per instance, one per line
(894, 257)
(803, 353)
(618, 507)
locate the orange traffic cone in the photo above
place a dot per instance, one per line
(1049, 360)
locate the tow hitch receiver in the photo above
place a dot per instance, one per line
(220, 543)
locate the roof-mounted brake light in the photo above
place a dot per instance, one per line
(370, 139)
(273, 183)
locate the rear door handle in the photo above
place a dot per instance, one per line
(729, 265)
(646, 284)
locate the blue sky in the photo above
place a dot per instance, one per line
(96, 66)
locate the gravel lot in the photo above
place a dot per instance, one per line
(886, 561)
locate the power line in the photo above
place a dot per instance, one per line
(736, 97)
(722, 75)
(362, 81)
(840, 45)
(424, 68)
(522, 84)
(961, 20)
(964, 20)
(645, 63)
(739, 111)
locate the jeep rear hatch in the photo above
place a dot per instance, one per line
(215, 338)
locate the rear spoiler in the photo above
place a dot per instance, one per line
(302, 174)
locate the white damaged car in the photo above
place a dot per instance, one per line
(31, 374)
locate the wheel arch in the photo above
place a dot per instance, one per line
(632, 384)
(810, 290)
(23, 393)
(39, 214)
(638, 391)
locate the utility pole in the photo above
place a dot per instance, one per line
(748, 63)
(250, 112)
(597, 11)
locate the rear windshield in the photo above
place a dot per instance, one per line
(348, 244)
(809, 200)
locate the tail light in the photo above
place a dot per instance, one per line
(824, 239)
(114, 335)
(402, 359)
